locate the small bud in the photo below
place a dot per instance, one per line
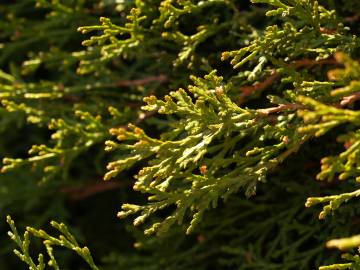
(310, 201)
(121, 137)
(325, 160)
(322, 215)
(285, 139)
(344, 176)
(324, 167)
(224, 56)
(347, 144)
(110, 145)
(138, 131)
(203, 169)
(339, 57)
(219, 91)
(114, 131)
(141, 143)
(121, 215)
(139, 220)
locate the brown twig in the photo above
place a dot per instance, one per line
(310, 62)
(349, 99)
(127, 83)
(353, 19)
(92, 188)
(327, 31)
(143, 116)
(281, 108)
(95, 187)
(260, 86)
(248, 90)
(293, 106)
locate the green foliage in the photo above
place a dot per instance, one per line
(66, 239)
(183, 172)
(224, 169)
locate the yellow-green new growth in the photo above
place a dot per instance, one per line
(65, 239)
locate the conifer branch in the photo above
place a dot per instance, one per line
(334, 202)
(275, 75)
(65, 239)
(175, 161)
(198, 146)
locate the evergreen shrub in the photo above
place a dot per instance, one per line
(179, 134)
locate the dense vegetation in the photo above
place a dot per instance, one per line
(178, 134)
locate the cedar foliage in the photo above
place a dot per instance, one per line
(217, 125)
